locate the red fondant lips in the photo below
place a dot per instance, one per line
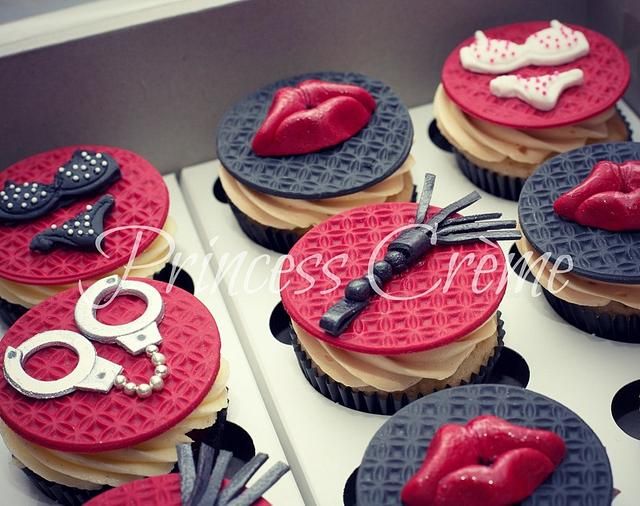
(453, 472)
(312, 116)
(608, 199)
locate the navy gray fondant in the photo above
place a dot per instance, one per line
(86, 173)
(370, 156)
(79, 232)
(597, 254)
(398, 449)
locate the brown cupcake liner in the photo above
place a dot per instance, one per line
(71, 496)
(616, 327)
(372, 402)
(502, 186)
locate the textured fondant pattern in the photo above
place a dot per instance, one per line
(343, 246)
(398, 448)
(95, 422)
(142, 199)
(597, 254)
(368, 157)
(159, 490)
(606, 77)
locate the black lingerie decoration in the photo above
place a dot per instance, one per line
(79, 232)
(87, 173)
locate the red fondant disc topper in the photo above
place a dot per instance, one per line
(141, 206)
(606, 75)
(84, 421)
(447, 294)
(312, 116)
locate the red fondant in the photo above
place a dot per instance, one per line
(312, 116)
(142, 199)
(338, 250)
(606, 77)
(157, 491)
(520, 460)
(514, 476)
(95, 422)
(609, 198)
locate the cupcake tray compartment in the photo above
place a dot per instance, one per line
(324, 441)
(246, 412)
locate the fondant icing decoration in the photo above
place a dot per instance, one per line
(555, 45)
(444, 228)
(609, 198)
(204, 483)
(487, 462)
(94, 373)
(312, 116)
(79, 232)
(541, 92)
(86, 173)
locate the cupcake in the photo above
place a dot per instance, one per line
(304, 149)
(78, 213)
(201, 484)
(100, 384)
(517, 95)
(433, 321)
(485, 445)
(580, 218)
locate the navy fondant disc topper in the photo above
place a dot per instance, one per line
(597, 254)
(370, 156)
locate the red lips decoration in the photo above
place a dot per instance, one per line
(312, 116)
(608, 199)
(488, 462)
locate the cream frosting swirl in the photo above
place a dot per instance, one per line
(577, 289)
(89, 471)
(392, 373)
(516, 152)
(288, 214)
(145, 265)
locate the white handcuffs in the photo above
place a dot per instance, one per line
(92, 372)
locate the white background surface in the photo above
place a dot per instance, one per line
(325, 441)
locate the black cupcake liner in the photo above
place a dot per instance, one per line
(9, 312)
(506, 187)
(372, 402)
(275, 239)
(71, 496)
(616, 327)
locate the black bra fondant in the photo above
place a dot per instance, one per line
(86, 173)
(80, 231)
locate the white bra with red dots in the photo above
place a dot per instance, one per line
(555, 45)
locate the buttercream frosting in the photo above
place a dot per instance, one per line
(145, 265)
(514, 152)
(288, 214)
(392, 373)
(577, 289)
(90, 471)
